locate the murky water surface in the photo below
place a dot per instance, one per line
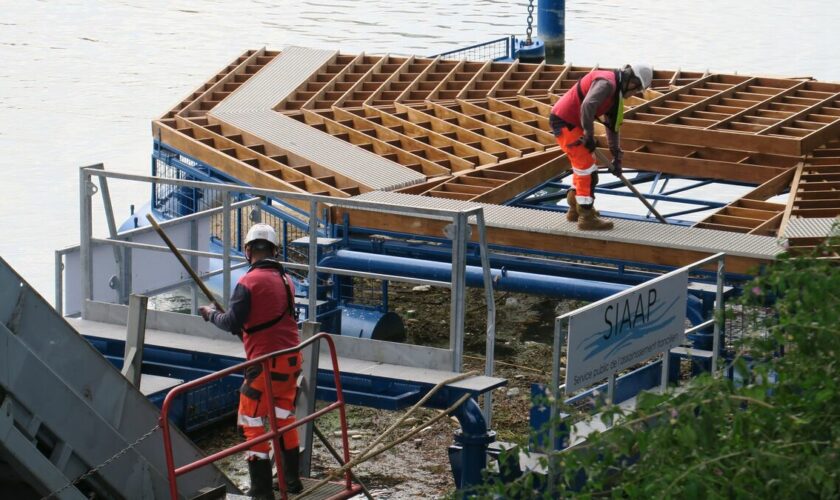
(81, 80)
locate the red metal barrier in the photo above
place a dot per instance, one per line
(274, 434)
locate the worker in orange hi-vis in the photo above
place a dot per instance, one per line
(262, 311)
(600, 93)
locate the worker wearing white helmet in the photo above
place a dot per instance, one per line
(600, 93)
(262, 312)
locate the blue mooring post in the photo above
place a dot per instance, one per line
(551, 28)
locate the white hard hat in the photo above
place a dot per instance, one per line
(644, 72)
(261, 232)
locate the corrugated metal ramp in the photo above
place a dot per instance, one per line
(65, 409)
(250, 109)
(626, 231)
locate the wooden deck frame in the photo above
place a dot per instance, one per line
(479, 131)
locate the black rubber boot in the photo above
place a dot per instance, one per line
(260, 472)
(291, 470)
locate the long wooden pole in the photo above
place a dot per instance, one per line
(603, 159)
(184, 263)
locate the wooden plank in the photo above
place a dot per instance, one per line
(794, 188)
(769, 227)
(772, 187)
(712, 138)
(700, 168)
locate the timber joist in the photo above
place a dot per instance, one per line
(344, 125)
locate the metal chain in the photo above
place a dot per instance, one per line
(104, 464)
(530, 28)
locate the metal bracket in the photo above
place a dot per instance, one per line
(91, 188)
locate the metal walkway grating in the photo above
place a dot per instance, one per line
(811, 228)
(626, 231)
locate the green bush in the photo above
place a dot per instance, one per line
(774, 435)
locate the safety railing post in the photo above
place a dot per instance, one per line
(59, 282)
(458, 309)
(194, 291)
(555, 394)
(226, 249)
(310, 328)
(85, 234)
(719, 316)
(122, 293)
(491, 312)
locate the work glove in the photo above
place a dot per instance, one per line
(206, 312)
(586, 141)
(616, 167)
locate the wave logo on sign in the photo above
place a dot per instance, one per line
(623, 327)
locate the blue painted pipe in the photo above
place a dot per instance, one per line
(474, 437)
(551, 27)
(514, 281)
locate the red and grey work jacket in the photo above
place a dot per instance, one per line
(567, 108)
(262, 309)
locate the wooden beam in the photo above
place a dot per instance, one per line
(711, 138)
(700, 168)
(794, 187)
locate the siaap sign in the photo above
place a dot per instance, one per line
(625, 329)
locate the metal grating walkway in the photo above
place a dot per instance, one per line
(250, 109)
(626, 231)
(821, 227)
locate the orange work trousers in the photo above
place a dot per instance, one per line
(254, 407)
(583, 165)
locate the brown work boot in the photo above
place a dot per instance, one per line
(572, 214)
(589, 220)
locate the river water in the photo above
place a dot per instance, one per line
(81, 80)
